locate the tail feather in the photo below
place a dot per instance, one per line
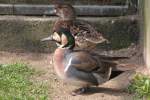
(112, 58)
(115, 63)
(117, 66)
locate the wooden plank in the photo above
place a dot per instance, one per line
(76, 2)
(6, 9)
(32, 9)
(82, 10)
(101, 10)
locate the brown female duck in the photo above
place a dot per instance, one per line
(78, 67)
(85, 35)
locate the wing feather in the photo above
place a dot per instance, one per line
(84, 61)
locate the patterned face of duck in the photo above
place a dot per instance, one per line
(67, 39)
(63, 38)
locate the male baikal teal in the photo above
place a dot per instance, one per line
(79, 67)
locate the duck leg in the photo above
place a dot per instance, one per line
(79, 91)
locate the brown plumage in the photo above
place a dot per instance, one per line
(85, 35)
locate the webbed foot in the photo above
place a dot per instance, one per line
(79, 91)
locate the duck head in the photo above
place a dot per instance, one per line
(63, 38)
(64, 11)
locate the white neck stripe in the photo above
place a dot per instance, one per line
(67, 67)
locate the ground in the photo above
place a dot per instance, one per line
(57, 89)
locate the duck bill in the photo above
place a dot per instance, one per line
(52, 12)
(50, 38)
(104, 40)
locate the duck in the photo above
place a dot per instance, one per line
(86, 36)
(79, 67)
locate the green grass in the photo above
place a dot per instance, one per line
(16, 83)
(140, 86)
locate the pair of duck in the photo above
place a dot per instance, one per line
(78, 67)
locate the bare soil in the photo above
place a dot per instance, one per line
(57, 89)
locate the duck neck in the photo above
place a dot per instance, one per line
(65, 18)
(67, 22)
(62, 23)
(60, 53)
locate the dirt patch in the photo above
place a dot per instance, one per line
(58, 90)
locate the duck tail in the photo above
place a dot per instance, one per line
(117, 66)
(110, 58)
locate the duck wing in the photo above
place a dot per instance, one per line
(84, 61)
(117, 63)
(83, 31)
(90, 62)
(87, 63)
